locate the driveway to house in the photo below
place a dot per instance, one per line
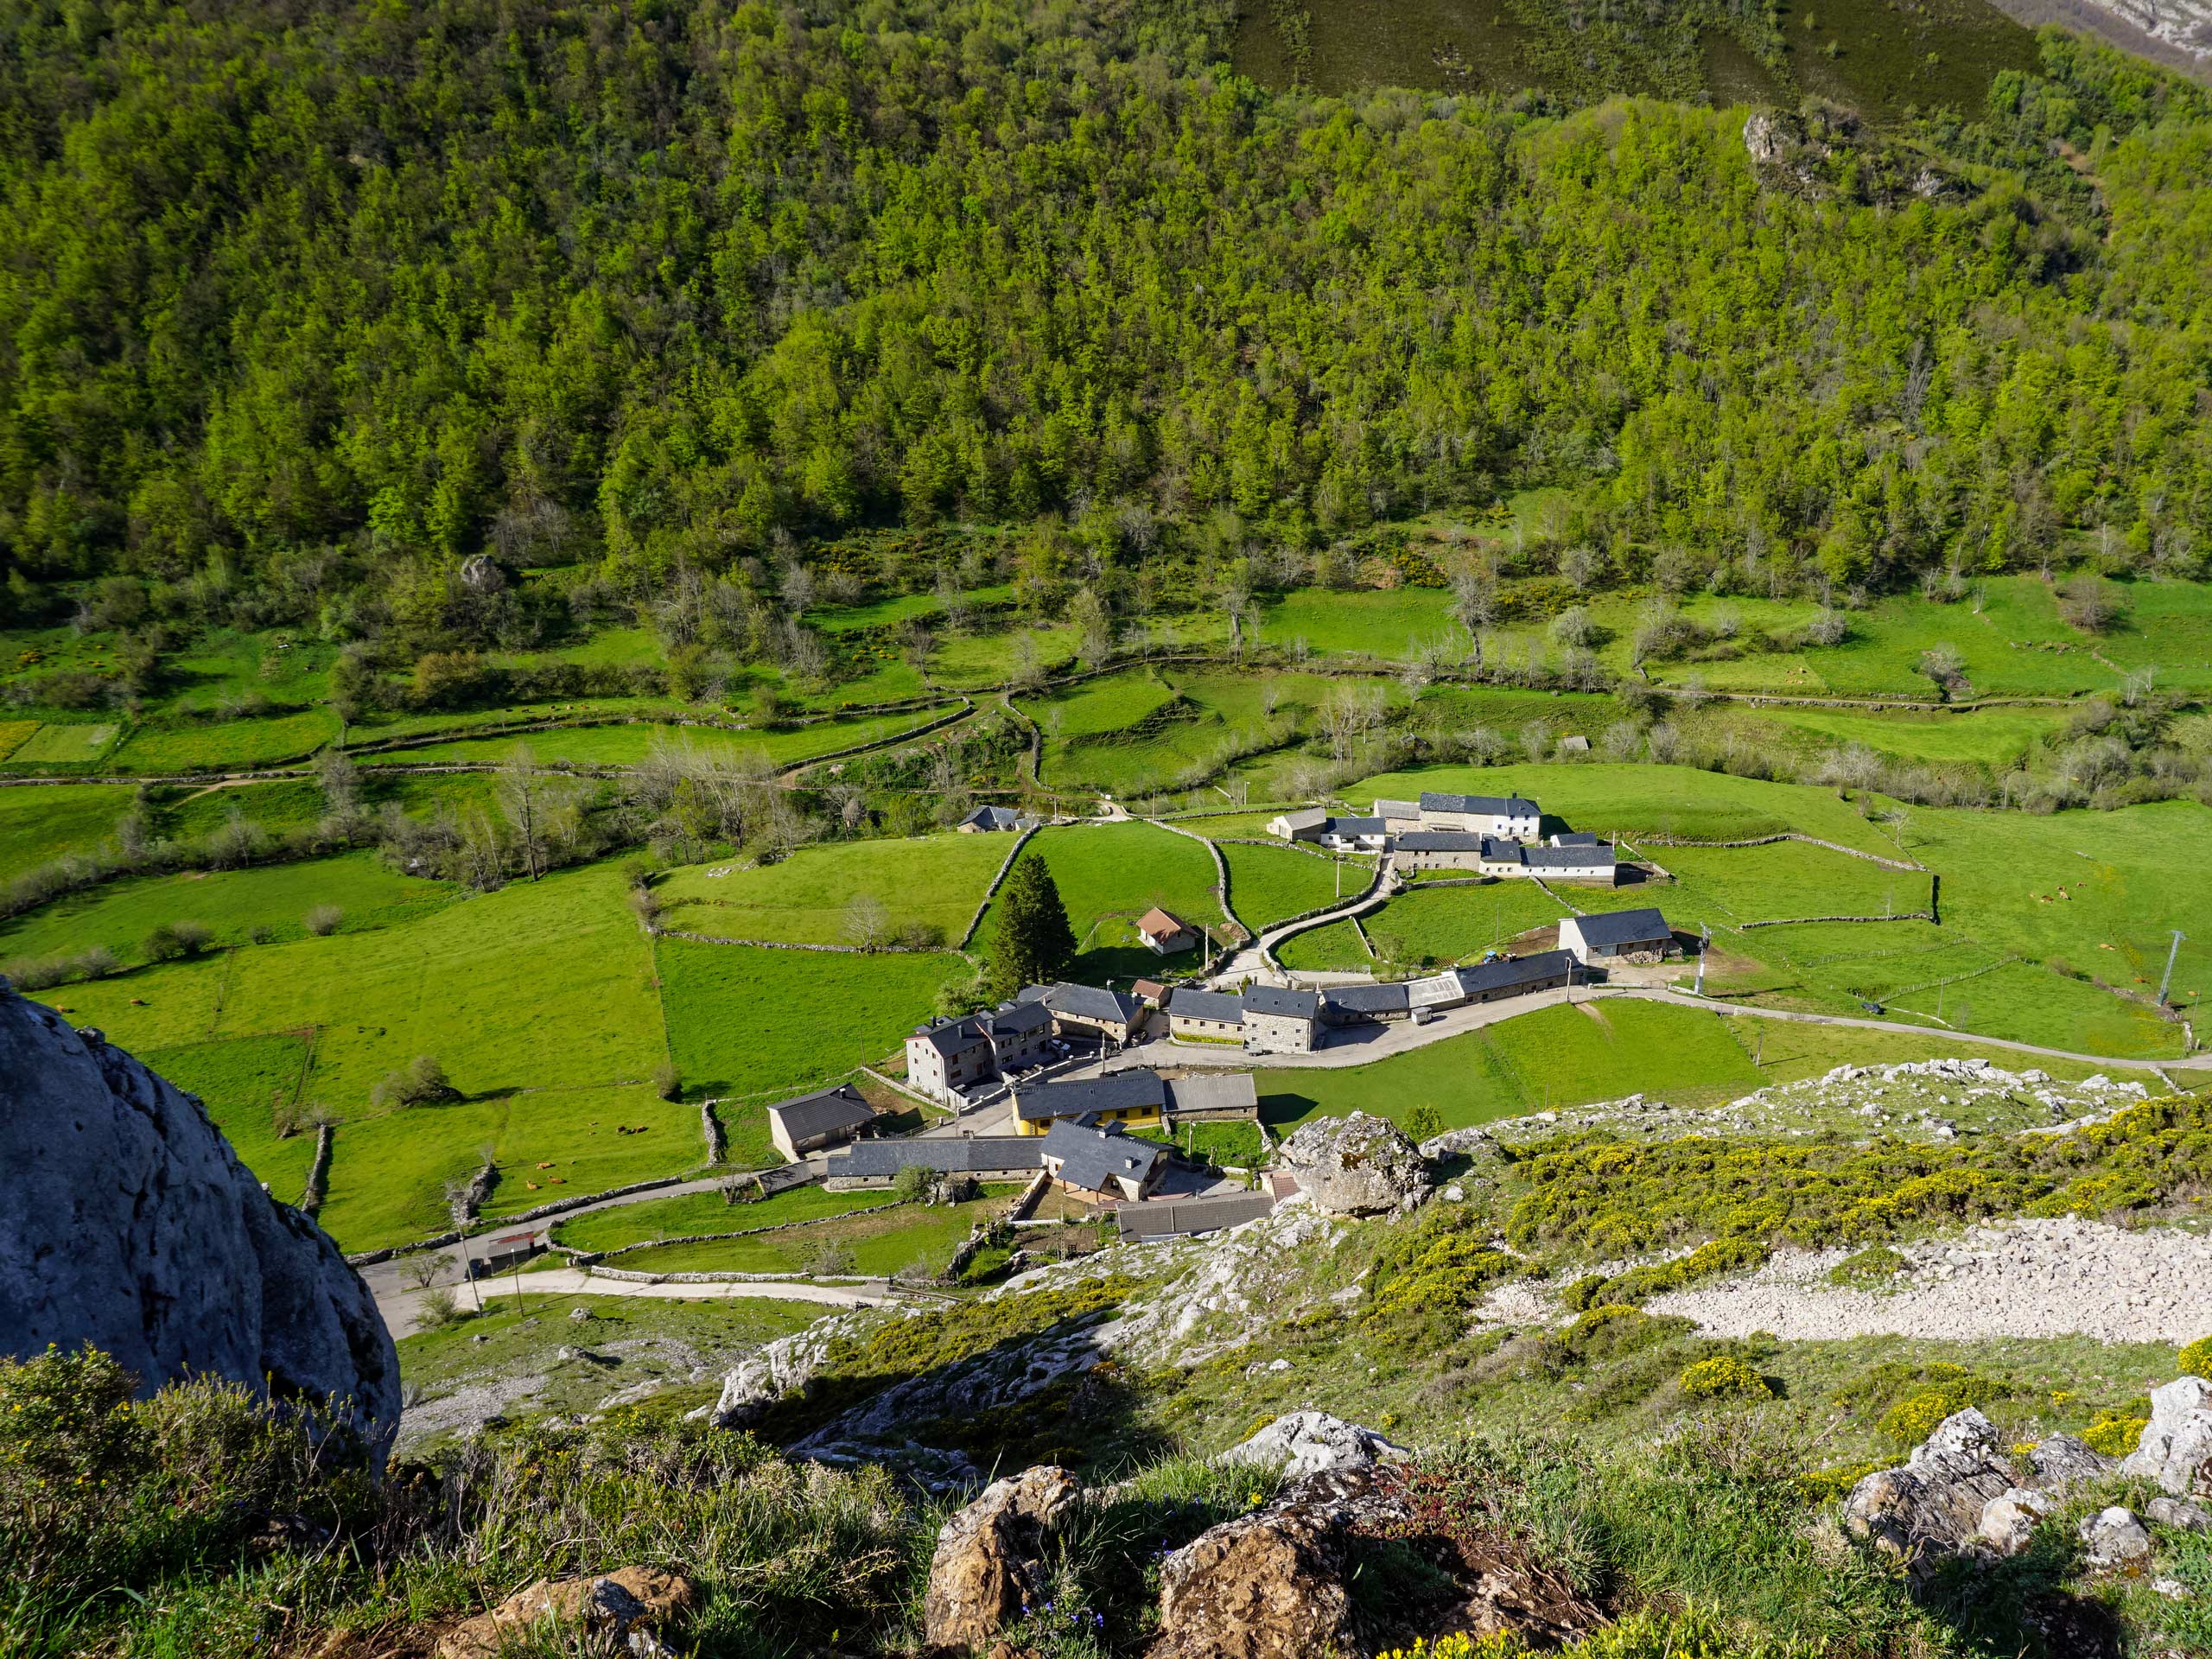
(1363, 1045)
(1253, 961)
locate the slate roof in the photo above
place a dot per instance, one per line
(1184, 1217)
(958, 1035)
(1085, 1001)
(953, 1036)
(1451, 841)
(1619, 927)
(1390, 809)
(1099, 1160)
(993, 817)
(982, 1154)
(1122, 1091)
(1366, 999)
(1282, 1001)
(1307, 817)
(1511, 806)
(1017, 1017)
(826, 1111)
(1356, 827)
(1575, 838)
(1193, 1004)
(1581, 857)
(1213, 1091)
(1494, 977)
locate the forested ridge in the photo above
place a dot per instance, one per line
(302, 304)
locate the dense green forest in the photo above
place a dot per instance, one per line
(303, 305)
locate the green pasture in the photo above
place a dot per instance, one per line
(1387, 625)
(40, 822)
(1332, 950)
(893, 680)
(14, 733)
(1108, 875)
(1993, 737)
(1447, 926)
(243, 1082)
(1631, 799)
(879, 1244)
(215, 745)
(229, 662)
(1222, 716)
(1269, 884)
(1551, 1057)
(606, 648)
(932, 881)
(385, 728)
(882, 612)
(1104, 705)
(971, 662)
(627, 744)
(1447, 710)
(58, 743)
(706, 1213)
(276, 898)
(760, 1024)
(1785, 879)
(388, 1172)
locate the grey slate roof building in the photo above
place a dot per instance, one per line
(993, 1155)
(1623, 929)
(1445, 841)
(1582, 855)
(1138, 1090)
(1282, 1001)
(1345, 1005)
(992, 818)
(805, 1121)
(1213, 1094)
(1490, 980)
(1501, 806)
(1087, 1003)
(1190, 1003)
(1184, 1217)
(1100, 1160)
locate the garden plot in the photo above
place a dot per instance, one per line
(845, 892)
(14, 733)
(761, 1024)
(273, 902)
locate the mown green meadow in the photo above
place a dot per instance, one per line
(1270, 884)
(217, 745)
(247, 1083)
(694, 1213)
(1109, 874)
(875, 1245)
(928, 882)
(39, 822)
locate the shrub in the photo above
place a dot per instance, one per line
(173, 941)
(422, 1082)
(1950, 1390)
(2196, 1358)
(2115, 1436)
(1724, 1377)
(440, 1307)
(911, 1183)
(323, 920)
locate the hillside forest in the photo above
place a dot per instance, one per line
(304, 307)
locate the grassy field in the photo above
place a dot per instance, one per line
(1388, 626)
(761, 1024)
(932, 882)
(217, 745)
(245, 1081)
(1269, 884)
(627, 744)
(1121, 733)
(1332, 950)
(1445, 925)
(274, 900)
(705, 1212)
(39, 822)
(1994, 737)
(1110, 875)
(875, 1245)
(1783, 879)
(64, 744)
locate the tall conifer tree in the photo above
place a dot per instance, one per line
(1032, 943)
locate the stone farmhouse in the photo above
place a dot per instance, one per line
(1617, 936)
(827, 1117)
(1489, 835)
(1139, 1099)
(950, 1056)
(1195, 1015)
(1266, 1020)
(987, 1157)
(1081, 1158)
(1164, 933)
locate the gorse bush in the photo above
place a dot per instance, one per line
(2196, 1360)
(1723, 1377)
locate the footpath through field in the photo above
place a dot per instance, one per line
(401, 1307)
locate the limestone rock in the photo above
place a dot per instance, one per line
(764, 1376)
(2008, 1521)
(1932, 1506)
(2181, 1516)
(2116, 1540)
(1311, 1443)
(127, 1221)
(633, 1606)
(2176, 1450)
(481, 574)
(989, 1561)
(2063, 1463)
(1355, 1166)
(1268, 1586)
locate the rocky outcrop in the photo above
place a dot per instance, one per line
(628, 1611)
(2181, 1516)
(1307, 1443)
(1355, 1166)
(2176, 1450)
(778, 1367)
(1932, 1507)
(2113, 1541)
(1268, 1586)
(989, 1562)
(2063, 1463)
(126, 1222)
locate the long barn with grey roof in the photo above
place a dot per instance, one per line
(877, 1163)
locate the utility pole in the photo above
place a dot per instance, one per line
(2167, 978)
(1704, 944)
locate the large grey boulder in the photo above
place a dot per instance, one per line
(126, 1222)
(989, 1565)
(1313, 1443)
(1355, 1166)
(1932, 1506)
(2176, 1450)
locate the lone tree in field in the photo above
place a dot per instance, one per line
(1033, 943)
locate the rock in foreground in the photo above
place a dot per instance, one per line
(1355, 1166)
(126, 1222)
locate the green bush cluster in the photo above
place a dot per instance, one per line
(1724, 1377)
(1606, 1197)
(1438, 1268)
(1867, 1269)
(1708, 1261)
